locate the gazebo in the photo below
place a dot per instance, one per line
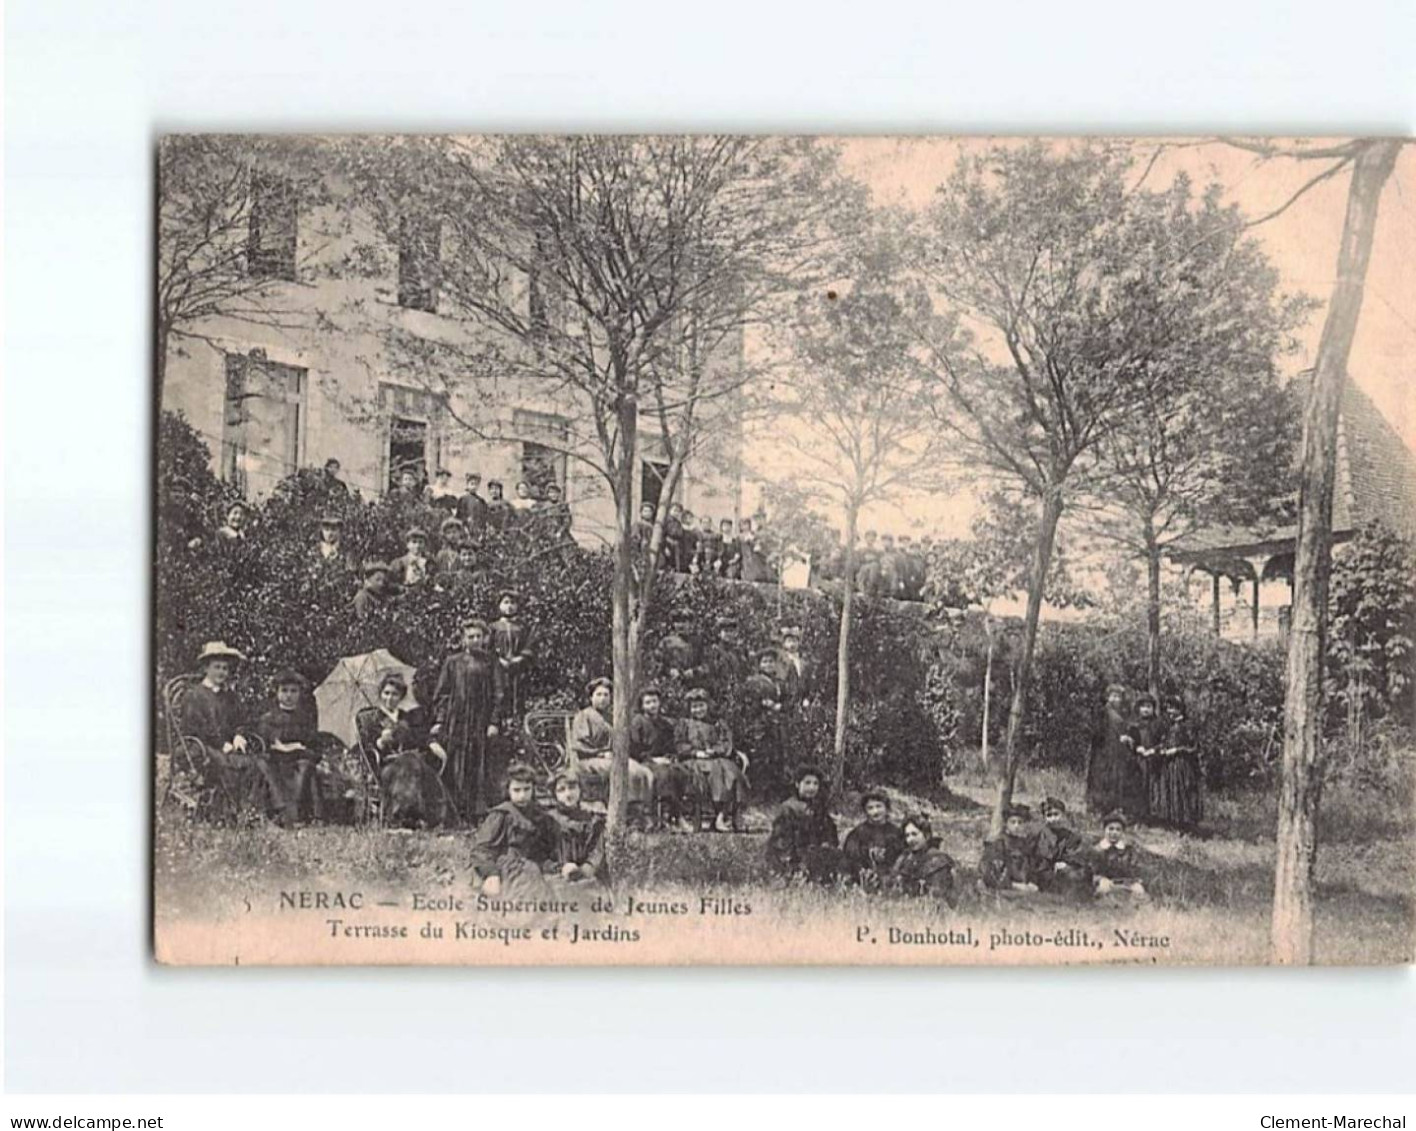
(1250, 570)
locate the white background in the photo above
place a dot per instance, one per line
(88, 87)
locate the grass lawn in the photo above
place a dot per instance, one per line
(1210, 894)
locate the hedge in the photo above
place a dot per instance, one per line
(916, 680)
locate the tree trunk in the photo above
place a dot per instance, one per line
(987, 690)
(1152, 614)
(843, 657)
(621, 622)
(159, 350)
(1037, 582)
(1301, 785)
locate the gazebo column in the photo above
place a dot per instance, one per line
(1257, 564)
(1214, 601)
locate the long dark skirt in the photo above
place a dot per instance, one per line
(1176, 796)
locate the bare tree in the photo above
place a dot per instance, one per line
(231, 212)
(616, 277)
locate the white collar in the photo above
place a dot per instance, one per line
(207, 683)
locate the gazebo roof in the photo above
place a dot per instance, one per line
(1375, 481)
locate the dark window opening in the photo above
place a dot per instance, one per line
(270, 248)
(651, 481)
(407, 449)
(418, 248)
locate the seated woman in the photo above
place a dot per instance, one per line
(580, 834)
(923, 869)
(872, 847)
(516, 842)
(409, 774)
(288, 766)
(802, 845)
(707, 749)
(590, 737)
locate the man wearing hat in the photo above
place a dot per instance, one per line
(793, 671)
(465, 715)
(374, 594)
(1010, 863)
(512, 646)
(414, 568)
(330, 560)
(474, 507)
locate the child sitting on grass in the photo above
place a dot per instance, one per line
(580, 844)
(1114, 864)
(802, 844)
(515, 842)
(1062, 856)
(1010, 862)
(873, 846)
(923, 868)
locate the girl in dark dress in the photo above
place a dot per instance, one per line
(1109, 757)
(1145, 735)
(516, 842)
(873, 846)
(409, 775)
(580, 834)
(923, 869)
(288, 765)
(803, 844)
(1175, 786)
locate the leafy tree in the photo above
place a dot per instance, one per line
(1209, 440)
(860, 430)
(610, 277)
(1077, 296)
(1372, 630)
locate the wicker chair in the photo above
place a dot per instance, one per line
(213, 791)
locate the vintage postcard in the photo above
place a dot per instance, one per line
(777, 550)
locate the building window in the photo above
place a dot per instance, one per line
(270, 247)
(413, 423)
(260, 442)
(418, 247)
(652, 474)
(543, 447)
